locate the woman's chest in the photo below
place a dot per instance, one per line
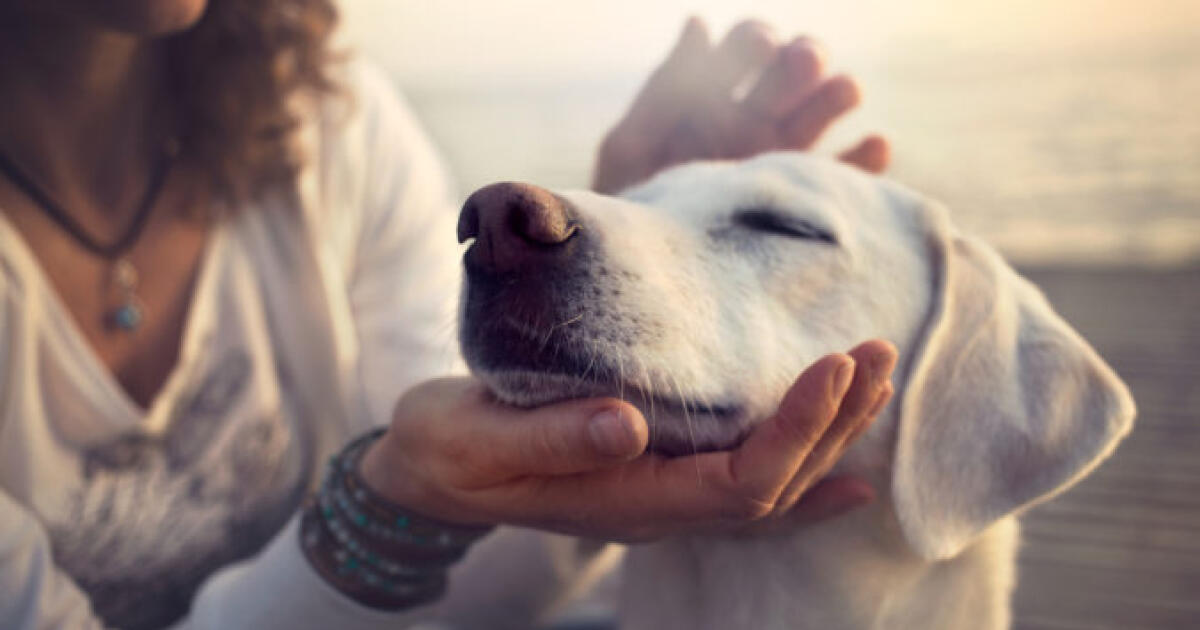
(130, 309)
(143, 504)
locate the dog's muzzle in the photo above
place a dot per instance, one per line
(530, 264)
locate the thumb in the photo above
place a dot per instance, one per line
(569, 437)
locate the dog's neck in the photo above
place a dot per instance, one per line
(841, 573)
(760, 582)
(753, 581)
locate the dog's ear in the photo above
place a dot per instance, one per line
(1004, 405)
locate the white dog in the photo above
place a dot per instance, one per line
(700, 295)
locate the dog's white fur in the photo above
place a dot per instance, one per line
(999, 403)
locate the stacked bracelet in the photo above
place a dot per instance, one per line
(378, 553)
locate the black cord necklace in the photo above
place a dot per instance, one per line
(127, 315)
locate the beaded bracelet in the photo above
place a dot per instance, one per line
(401, 558)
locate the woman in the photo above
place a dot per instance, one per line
(225, 253)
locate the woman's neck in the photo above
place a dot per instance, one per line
(84, 109)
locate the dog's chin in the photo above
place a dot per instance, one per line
(529, 388)
(677, 426)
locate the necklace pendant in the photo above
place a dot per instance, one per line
(127, 317)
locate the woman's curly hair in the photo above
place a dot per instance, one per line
(235, 75)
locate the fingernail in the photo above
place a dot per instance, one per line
(611, 434)
(802, 54)
(884, 396)
(881, 367)
(841, 378)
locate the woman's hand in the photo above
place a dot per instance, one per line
(579, 467)
(688, 109)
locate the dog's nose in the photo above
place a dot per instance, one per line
(514, 226)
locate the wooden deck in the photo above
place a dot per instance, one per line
(1121, 551)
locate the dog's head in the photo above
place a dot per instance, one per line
(700, 295)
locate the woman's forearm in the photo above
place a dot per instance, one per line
(380, 554)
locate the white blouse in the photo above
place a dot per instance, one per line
(312, 313)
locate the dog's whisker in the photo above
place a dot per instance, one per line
(620, 377)
(443, 340)
(687, 416)
(568, 322)
(645, 383)
(583, 378)
(550, 331)
(649, 390)
(649, 394)
(446, 330)
(536, 333)
(704, 399)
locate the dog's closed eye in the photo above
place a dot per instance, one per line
(782, 224)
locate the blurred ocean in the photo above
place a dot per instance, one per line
(1061, 160)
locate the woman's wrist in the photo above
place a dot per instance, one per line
(378, 471)
(378, 553)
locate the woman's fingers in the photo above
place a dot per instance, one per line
(746, 48)
(579, 467)
(631, 151)
(884, 397)
(565, 438)
(875, 361)
(786, 82)
(871, 154)
(828, 102)
(483, 443)
(829, 498)
(693, 42)
(688, 109)
(695, 83)
(728, 487)
(713, 124)
(777, 448)
(672, 88)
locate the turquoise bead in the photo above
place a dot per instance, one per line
(128, 317)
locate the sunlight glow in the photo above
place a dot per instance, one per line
(426, 41)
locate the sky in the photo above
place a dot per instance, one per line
(455, 40)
